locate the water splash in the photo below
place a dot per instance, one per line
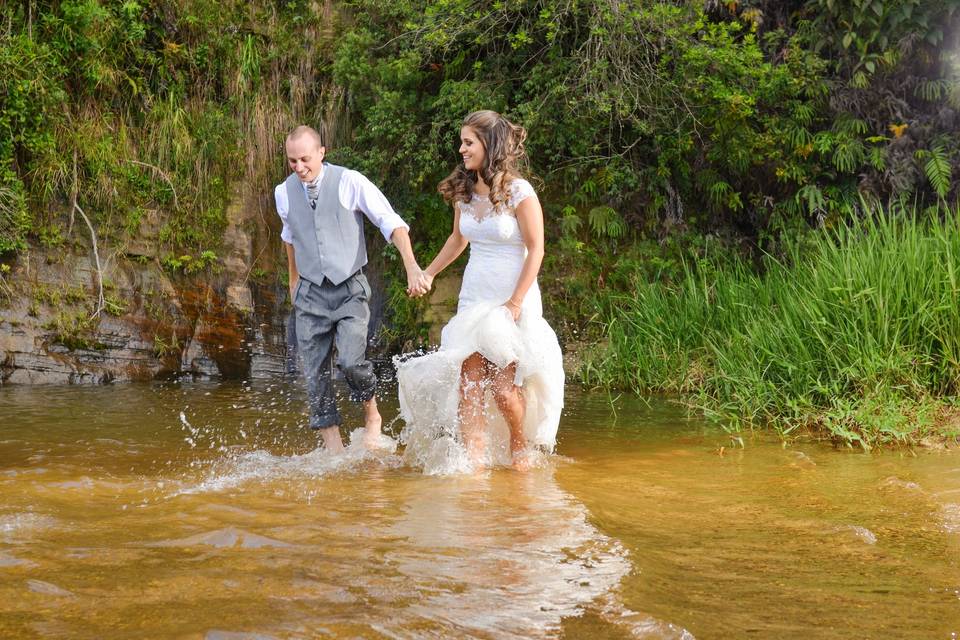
(239, 468)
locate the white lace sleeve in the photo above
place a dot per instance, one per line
(520, 190)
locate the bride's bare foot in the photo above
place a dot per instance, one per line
(372, 437)
(522, 460)
(476, 450)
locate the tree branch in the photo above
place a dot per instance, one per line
(101, 303)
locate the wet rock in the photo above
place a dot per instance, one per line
(803, 459)
(240, 297)
(166, 323)
(11, 561)
(894, 483)
(935, 443)
(197, 362)
(223, 539)
(216, 634)
(863, 533)
(273, 351)
(48, 589)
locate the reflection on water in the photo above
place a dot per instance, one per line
(206, 511)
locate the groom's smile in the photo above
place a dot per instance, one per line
(305, 157)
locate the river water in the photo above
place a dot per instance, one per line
(205, 511)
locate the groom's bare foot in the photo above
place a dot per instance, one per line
(331, 439)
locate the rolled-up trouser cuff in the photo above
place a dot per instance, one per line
(364, 395)
(325, 421)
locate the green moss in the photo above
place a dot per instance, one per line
(74, 330)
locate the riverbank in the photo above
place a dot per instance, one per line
(854, 335)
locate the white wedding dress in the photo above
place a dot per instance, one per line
(429, 385)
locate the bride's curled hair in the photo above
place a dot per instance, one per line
(503, 145)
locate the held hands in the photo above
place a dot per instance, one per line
(419, 283)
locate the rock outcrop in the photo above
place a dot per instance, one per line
(224, 317)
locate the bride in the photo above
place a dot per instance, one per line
(494, 389)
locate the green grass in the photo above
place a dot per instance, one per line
(856, 333)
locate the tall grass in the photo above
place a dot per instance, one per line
(855, 331)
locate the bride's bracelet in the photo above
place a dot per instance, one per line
(511, 303)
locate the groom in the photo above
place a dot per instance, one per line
(321, 205)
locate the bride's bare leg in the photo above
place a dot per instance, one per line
(509, 399)
(472, 381)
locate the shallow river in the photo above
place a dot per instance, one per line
(205, 511)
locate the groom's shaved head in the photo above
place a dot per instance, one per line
(304, 130)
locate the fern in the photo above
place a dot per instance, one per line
(812, 197)
(849, 125)
(932, 90)
(823, 142)
(718, 193)
(848, 155)
(605, 221)
(937, 167)
(14, 220)
(798, 136)
(570, 222)
(803, 113)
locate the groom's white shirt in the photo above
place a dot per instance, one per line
(356, 193)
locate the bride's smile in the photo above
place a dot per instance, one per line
(471, 149)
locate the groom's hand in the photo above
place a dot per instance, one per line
(413, 282)
(418, 283)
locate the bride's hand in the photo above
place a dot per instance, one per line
(513, 308)
(425, 283)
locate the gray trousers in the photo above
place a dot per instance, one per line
(329, 314)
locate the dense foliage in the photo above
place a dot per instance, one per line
(131, 108)
(645, 116)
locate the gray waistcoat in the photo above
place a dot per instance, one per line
(328, 242)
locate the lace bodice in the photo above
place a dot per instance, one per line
(482, 222)
(497, 251)
(480, 206)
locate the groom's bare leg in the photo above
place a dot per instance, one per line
(509, 399)
(331, 439)
(373, 423)
(472, 374)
